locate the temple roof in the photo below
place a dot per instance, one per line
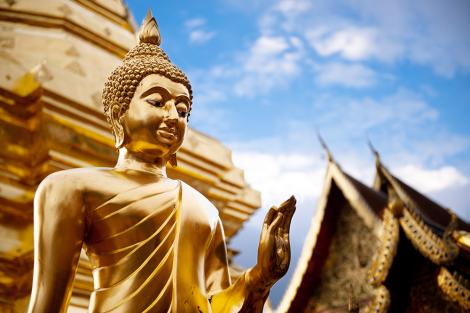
(367, 203)
(427, 226)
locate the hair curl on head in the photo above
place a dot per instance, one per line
(144, 59)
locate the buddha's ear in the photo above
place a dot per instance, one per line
(118, 127)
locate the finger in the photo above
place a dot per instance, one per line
(270, 215)
(288, 214)
(277, 221)
(286, 205)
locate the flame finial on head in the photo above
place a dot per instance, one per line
(149, 32)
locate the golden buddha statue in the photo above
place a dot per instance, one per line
(155, 244)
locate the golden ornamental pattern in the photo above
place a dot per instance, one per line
(383, 259)
(436, 249)
(380, 303)
(455, 287)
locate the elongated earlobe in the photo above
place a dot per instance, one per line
(118, 128)
(173, 161)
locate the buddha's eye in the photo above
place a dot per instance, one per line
(157, 103)
(182, 110)
(182, 113)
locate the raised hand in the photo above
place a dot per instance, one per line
(274, 246)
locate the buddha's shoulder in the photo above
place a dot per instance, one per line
(78, 178)
(198, 200)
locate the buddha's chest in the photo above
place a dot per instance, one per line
(147, 219)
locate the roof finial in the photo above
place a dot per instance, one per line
(325, 147)
(149, 32)
(374, 151)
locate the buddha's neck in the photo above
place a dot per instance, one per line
(132, 161)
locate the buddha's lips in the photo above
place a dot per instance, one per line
(167, 134)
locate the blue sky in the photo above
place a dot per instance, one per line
(267, 74)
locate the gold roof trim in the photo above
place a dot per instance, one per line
(437, 250)
(381, 301)
(462, 238)
(455, 287)
(383, 259)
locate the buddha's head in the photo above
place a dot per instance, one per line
(147, 99)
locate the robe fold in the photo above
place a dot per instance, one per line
(156, 248)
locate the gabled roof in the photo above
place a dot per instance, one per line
(425, 223)
(368, 204)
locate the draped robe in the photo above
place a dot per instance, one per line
(156, 249)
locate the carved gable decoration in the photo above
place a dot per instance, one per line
(76, 68)
(72, 51)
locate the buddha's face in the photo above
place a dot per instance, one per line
(156, 121)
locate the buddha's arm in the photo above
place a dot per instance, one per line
(250, 291)
(244, 295)
(58, 236)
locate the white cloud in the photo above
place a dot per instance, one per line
(392, 114)
(271, 62)
(289, 11)
(446, 184)
(431, 180)
(431, 33)
(277, 176)
(195, 22)
(200, 36)
(290, 7)
(455, 198)
(266, 46)
(280, 175)
(353, 43)
(197, 32)
(343, 74)
(248, 5)
(350, 43)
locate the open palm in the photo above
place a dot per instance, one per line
(274, 246)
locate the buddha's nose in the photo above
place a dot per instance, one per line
(171, 113)
(171, 118)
